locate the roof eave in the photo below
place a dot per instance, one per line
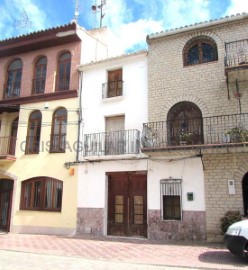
(197, 26)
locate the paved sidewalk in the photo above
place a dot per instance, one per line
(117, 250)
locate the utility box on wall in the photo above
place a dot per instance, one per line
(231, 187)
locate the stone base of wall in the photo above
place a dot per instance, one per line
(90, 221)
(191, 228)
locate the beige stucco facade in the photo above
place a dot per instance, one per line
(47, 164)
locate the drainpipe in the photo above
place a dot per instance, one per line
(80, 118)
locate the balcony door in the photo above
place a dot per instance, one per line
(13, 137)
(114, 83)
(6, 190)
(185, 123)
(127, 204)
(115, 135)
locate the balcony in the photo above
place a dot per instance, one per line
(236, 54)
(12, 90)
(112, 143)
(236, 66)
(62, 83)
(7, 148)
(196, 133)
(58, 143)
(112, 89)
(38, 86)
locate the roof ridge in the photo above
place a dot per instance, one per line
(199, 23)
(37, 32)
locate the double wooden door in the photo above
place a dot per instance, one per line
(6, 190)
(127, 205)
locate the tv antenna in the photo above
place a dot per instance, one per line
(99, 8)
(76, 13)
(23, 23)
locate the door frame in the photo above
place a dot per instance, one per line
(9, 213)
(126, 173)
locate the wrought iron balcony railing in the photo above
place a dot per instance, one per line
(38, 86)
(62, 83)
(32, 145)
(7, 146)
(216, 130)
(58, 143)
(112, 89)
(112, 143)
(12, 90)
(236, 53)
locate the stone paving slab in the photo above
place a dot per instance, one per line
(203, 256)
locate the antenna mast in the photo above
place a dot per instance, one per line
(99, 8)
(76, 13)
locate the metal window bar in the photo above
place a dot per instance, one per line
(236, 53)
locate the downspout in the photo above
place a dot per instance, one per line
(80, 118)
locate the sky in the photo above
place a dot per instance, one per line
(128, 21)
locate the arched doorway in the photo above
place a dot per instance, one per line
(6, 192)
(245, 193)
(184, 123)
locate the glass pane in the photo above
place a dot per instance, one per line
(48, 194)
(58, 195)
(119, 209)
(171, 207)
(193, 56)
(17, 64)
(138, 199)
(65, 56)
(138, 219)
(27, 195)
(118, 218)
(37, 194)
(138, 209)
(119, 199)
(207, 53)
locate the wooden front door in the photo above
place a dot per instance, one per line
(127, 205)
(6, 190)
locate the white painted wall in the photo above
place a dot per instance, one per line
(133, 103)
(92, 182)
(92, 48)
(190, 170)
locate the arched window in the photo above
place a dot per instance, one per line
(58, 134)
(39, 80)
(198, 50)
(41, 194)
(14, 76)
(64, 71)
(185, 124)
(33, 137)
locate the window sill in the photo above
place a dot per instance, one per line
(113, 99)
(200, 64)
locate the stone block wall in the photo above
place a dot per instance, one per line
(169, 82)
(218, 169)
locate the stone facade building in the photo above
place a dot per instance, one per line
(198, 115)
